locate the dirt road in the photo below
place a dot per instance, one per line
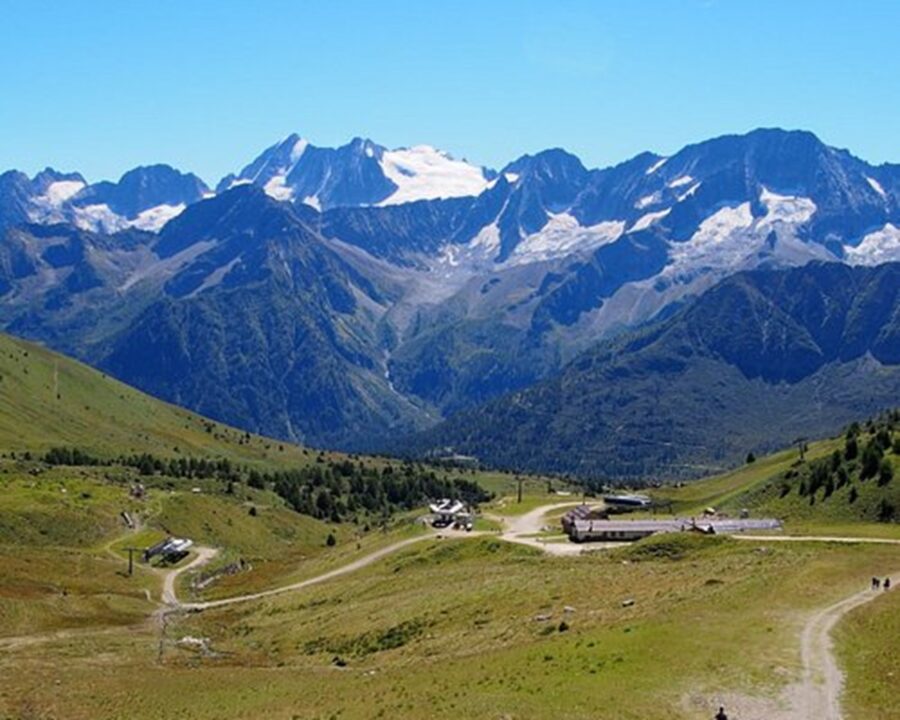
(819, 693)
(521, 529)
(169, 595)
(337, 572)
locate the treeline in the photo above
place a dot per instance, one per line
(340, 490)
(862, 459)
(327, 489)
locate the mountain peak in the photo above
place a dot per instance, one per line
(550, 162)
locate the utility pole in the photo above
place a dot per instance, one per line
(519, 494)
(131, 552)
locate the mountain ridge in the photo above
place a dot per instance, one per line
(406, 312)
(762, 356)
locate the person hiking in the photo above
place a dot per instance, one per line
(721, 714)
(887, 583)
(876, 583)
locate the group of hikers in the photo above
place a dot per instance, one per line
(878, 583)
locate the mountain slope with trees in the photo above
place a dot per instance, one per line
(764, 357)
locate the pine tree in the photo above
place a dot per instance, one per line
(885, 472)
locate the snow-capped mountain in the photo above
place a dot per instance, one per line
(359, 173)
(446, 283)
(145, 198)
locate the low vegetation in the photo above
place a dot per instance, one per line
(444, 628)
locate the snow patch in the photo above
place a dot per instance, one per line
(98, 218)
(721, 224)
(647, 200)
(656, 166)
(313, 202)
(277, 189)
(788, 209)
(58, 192)
(683, 180)
(424, 173)
(645, 221)
(298, 150)
(511, 177)
(876, 186)
(720, 241)
(154, 218)
(561, 236)
(875, 248)
(690, 191)
(487, 239)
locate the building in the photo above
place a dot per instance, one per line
(630, 502)
(587, 530)
(581, 512)
(446, 512)
(169, 549)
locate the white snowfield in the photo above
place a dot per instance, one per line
(100, 218)
(877, 247)
(420, 173)
(731, 235)
(48, 208)
(58, 192)
(785, 208)
(563, 235)
(424, 173)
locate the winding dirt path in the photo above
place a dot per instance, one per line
(818, 695)
(522, 528)
(350, 567)
(169, 594)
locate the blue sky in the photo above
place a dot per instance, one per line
(104, 85)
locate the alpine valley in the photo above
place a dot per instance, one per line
(544, 315)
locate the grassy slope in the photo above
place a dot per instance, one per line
(867, 642)
(448, 629)
(757, 486)
(441, 630)
(48, 400)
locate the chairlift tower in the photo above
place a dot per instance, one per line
(131, 552)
